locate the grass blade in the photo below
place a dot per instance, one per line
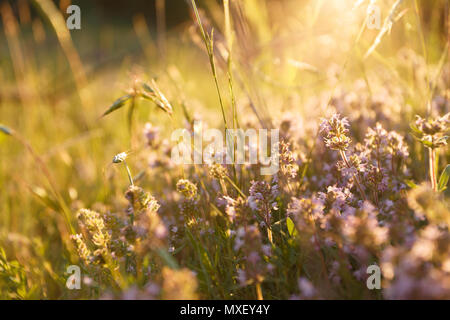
(119, 103)
(5, 130)
(443, 180)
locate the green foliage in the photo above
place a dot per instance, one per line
(119, 103)
(13, 279)
(443, 180)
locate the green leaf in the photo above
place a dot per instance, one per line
(149, 97)
(410, 184)
(147, 88)
(156, 96)
(44, 197)
(291, 227)
(415, 129)
(5, 130)
(130, 119)
(168, 259)
(427, 143)
(443, 180)
(119, 103)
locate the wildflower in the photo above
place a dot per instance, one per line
(262, 201)
(430, 133)
(140, 200)
(151, 133)
(188, 207)
(433, 127)
(354, 166)
(376, 179)
(396, 146)
(288, 166)
(383, 147)
(336, 198)
(83, 252)
(187, 188)
(335, 132)
(230, 205)
(218, 171)
(120, 157)
(300, 210)
(95, 225)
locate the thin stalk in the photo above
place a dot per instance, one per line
(424, 50)
(229, 39)
(161, 27)
(223, 187)
(259, 294)
(236, 187)
(208, 40)
(432, 166)
(269, 235)
(268, 224)
(46, 172)
(130, 177)
(58, 23)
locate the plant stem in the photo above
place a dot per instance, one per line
(269, 235)
(432, 165)
(129, 173)
(161, 28)
(208, 41)
(259, 291)
(236, 187)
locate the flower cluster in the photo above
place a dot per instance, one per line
(335, 132)
(430, 131)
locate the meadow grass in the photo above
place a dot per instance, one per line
(87, 179)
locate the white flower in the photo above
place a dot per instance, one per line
(120, 157)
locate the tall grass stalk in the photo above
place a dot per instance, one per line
(56, 19)
(161, 27)
(46, 172)
(208, 40)
(424, 52)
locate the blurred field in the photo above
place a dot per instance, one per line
(294, 61)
